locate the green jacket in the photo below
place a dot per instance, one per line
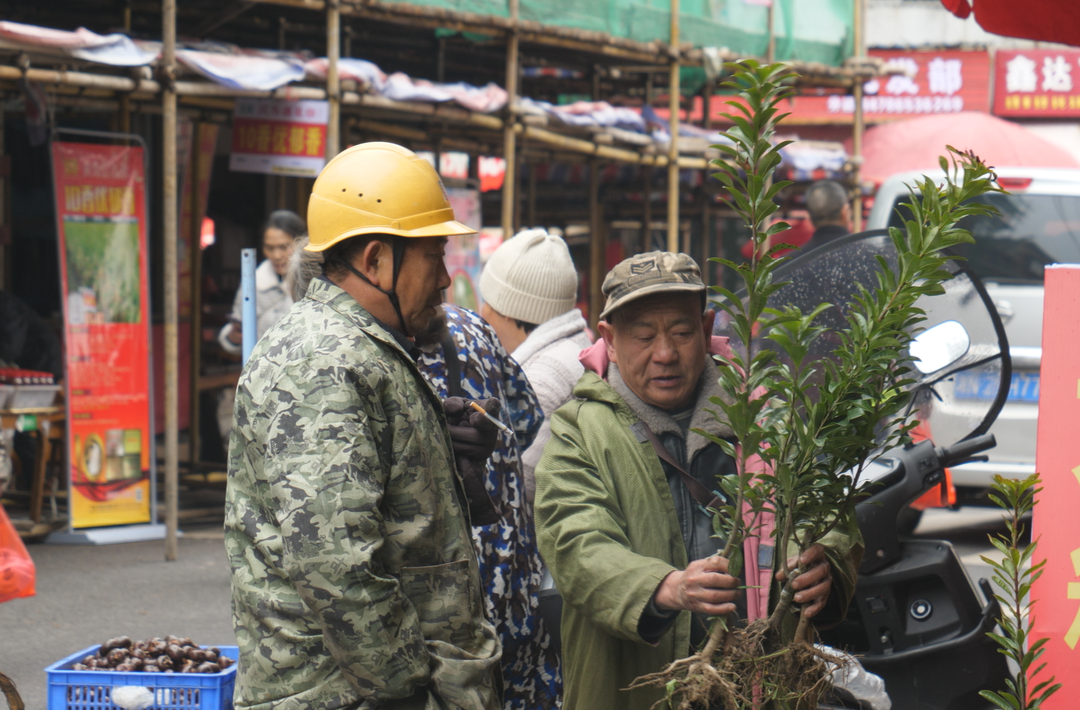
(609, 533)
(354, 578)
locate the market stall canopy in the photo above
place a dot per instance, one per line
(916, 143)
(1043, 20)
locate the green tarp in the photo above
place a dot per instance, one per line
(807, 30)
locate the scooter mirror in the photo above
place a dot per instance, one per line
(940, 346)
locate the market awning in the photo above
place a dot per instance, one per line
(1043, 20)
(916, 143)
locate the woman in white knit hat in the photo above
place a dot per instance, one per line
(529, 287)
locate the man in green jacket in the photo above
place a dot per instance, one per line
(355, 580)
(619, 512)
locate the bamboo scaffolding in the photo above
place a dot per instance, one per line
(597, 246)
(859, 123)
(673, 131)
(169, 234)
(333, 85)
(509, 186)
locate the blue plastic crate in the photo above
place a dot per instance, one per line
(90, 690)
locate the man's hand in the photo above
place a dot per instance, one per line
(235, 334)
(704, 587)
(812, 587)
(472, 434)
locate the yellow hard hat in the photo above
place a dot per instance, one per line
(378, 188)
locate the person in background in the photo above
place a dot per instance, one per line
(502, 529)
(354, 576)
(273, 296)
(830, 213)
(529, 286)
(27, 340)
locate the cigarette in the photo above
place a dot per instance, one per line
(490, 418)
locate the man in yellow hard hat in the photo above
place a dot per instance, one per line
(355, 581)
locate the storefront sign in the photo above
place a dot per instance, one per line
(935, 82)
(1057, 612)
(279, 137)
(101, 218)
(1041, 83)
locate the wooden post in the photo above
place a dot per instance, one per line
(673, 129)
(169, 235)
(195, 239)
(125, 99)
(509, 189)
(531, 204)
(647, 179)
(597, 246)
(333, 86)
(770, 52)
(859, 122)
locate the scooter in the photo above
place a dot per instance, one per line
(915, 619)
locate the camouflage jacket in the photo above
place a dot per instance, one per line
(354, 578)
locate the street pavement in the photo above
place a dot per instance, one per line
(87, 595)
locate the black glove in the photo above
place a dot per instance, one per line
(472, 434)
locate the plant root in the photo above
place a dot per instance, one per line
(752, 671)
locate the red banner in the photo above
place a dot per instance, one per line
(1041, 83)
(279, 137)
(1057, 613)
(101, 218)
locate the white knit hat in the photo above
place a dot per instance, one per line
(530, 277)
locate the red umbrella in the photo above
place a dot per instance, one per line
(916, 143)
(1044, 20)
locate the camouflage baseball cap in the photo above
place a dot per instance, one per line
(646, 274)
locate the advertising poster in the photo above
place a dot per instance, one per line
(279, 137)
(1037, 83)
(463, 253)
(101, 220)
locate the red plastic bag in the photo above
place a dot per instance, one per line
(16, 568)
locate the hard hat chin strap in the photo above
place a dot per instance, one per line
(398, 247)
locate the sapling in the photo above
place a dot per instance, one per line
(805, 428)
(1014, 574)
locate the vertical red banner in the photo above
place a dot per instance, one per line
(101, 220)
(1057, 613)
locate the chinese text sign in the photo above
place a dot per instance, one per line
(279, 137)
(1037, 82)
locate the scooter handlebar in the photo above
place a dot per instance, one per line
(963, 450)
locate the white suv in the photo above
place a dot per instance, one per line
(1039, 224)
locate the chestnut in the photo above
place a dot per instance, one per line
(87, 660)
(118, 655)
(156, 646)
(136, 662)
(174, 652)
(209, 668)
(212, 655)
(151, 668)
(224, 662)
(197, 654)
(79, 667)
(139, 653)
(164, 662)
(125, 668)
